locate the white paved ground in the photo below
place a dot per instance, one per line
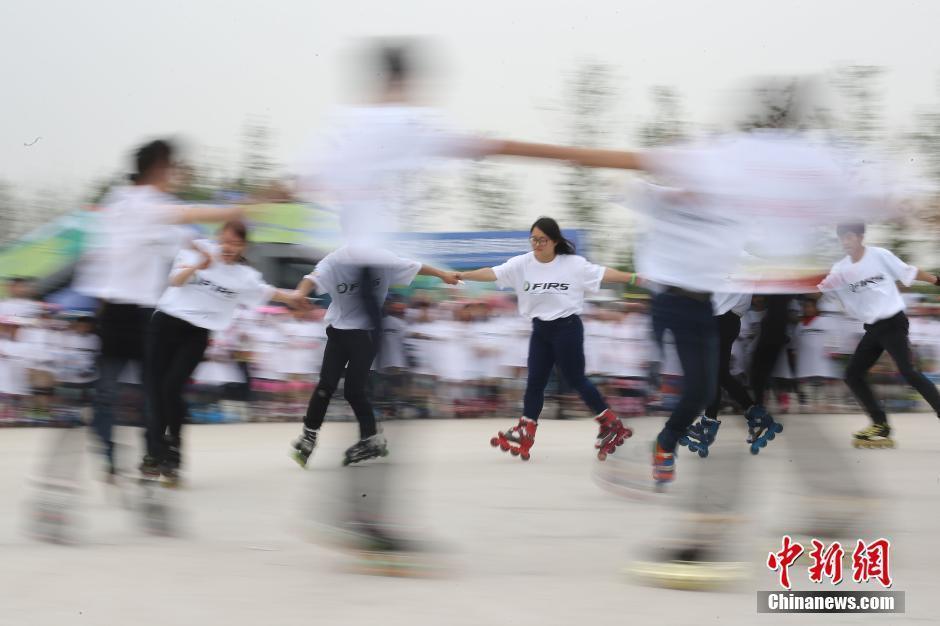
(530, 543)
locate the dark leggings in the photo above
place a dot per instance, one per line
(558, 342)
(176, 350)
(772, 339)
(729, 327)
(892, 335)
(352, 351)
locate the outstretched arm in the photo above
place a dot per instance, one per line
(588, 157)
(927, 277)
(305, 286)
(448, 277)
(292, 298)
(616, 276)
(484, 275)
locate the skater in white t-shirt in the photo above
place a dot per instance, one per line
(206, 286)
(351, 343)
(865, 280)
(551, 282)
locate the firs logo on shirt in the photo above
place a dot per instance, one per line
(545, 286)
(873, 280)
(354, 287)
(214, 287)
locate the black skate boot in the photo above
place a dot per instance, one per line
(171, 464)
(303, 446)
(150, 468)
(365, 449)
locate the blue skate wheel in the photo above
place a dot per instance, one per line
(763, 442)
(683, 440)
(703, 452)
(778, 427)
(770, 434)
(755, 449)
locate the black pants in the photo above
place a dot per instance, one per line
(692, 323)
(177, 348)
(352, 351)
(772, 339)
(558, 342)
(729, 327)
(892, 335)
(124, 331)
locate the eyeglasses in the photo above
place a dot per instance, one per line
(539, 241)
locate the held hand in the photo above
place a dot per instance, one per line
(451, 278)
(298, 301)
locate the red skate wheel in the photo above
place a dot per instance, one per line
(514, 451)
(602, 455)
(525, 456)
(627, 433)
(494, 441)
(504, 445)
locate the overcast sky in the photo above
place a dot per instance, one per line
(92, 78)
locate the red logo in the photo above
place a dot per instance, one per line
(826, 563)
(784, 559)
(871, 561)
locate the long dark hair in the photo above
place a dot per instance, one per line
(553, 231)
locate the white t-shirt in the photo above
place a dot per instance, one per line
(132, 243)
(669, 363)
(737, 302)
(631, 346)
(765, 193)
(77, 354)
(20, 307)
(486, 337)
(42, 344)
(449, 353)
(306, 341)
(868, 289)
(338, 275)
(596, 337)
(268, 344)
(420, 343)
(211, 296)
(515, 343)
(740, 349)
(815, 342)
(14, 379)
(365, 163)
(392, 353)
(923, 336)
(549, 291)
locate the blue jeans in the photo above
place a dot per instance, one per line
(558, 341)
(124, 332)
(695, 330)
